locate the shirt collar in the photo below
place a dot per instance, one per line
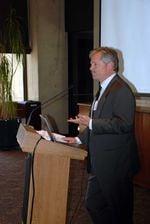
(105, 83)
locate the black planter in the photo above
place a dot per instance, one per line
(8, 131)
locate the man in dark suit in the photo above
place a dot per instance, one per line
(110, 139)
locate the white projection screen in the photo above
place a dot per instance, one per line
(125, 25)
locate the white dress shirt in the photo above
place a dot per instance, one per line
(104, 85)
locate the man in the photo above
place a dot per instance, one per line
(110, 138)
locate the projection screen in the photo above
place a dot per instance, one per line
(125, 25)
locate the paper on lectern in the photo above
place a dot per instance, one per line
(45, 135)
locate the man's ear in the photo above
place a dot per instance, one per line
(110, 66)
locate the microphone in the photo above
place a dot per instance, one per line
(49, 100)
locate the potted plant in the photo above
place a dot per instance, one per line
(11, 41)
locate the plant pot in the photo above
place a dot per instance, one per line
(8, 132)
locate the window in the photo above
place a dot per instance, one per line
(17, 84)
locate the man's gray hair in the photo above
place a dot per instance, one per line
(108, 55)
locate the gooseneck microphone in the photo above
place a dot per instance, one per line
(49, 101)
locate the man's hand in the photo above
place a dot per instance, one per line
(80, 119)
(70, 140)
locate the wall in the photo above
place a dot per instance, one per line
(96, 32)
(47, 64)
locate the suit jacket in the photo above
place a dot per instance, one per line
(111, 142)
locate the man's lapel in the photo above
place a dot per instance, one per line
(104, 97)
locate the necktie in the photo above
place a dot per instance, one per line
(98, 93)
(94, 106)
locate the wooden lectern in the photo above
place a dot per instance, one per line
(51, 175)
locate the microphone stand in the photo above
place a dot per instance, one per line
(50, 100)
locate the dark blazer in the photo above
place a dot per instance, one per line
(111, 142)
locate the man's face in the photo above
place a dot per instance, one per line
(98, 68)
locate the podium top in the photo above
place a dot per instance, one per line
(27, 138)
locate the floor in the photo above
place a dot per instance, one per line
(12, 176)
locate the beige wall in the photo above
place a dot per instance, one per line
(96, 33)
(47, 63)
(96, 23)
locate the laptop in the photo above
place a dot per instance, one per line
(49, 131)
